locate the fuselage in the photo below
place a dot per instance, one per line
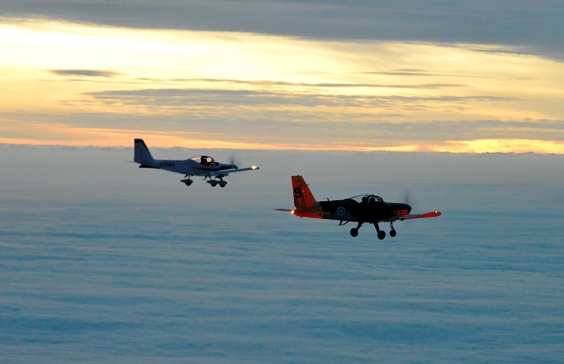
(370, 211)
(189, 166)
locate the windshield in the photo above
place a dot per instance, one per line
(370, 199)
(204, 160)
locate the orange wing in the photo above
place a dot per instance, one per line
(420, 216)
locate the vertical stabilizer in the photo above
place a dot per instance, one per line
(142, 154)
(303, 198)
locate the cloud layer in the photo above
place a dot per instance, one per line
(103, 261)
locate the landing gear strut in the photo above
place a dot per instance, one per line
(354, 231)
(381, 233)
(393, 232)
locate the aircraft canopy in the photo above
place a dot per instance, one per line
(370, 199)
(204, 160)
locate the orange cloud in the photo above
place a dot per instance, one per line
(131, 80)
(81, 137)
(502, 146)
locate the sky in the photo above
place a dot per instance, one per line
(407, 76)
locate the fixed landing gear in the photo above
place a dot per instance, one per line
(393, 232)
(354, 231)
(381, 233)
(214, 183)
(187, 181)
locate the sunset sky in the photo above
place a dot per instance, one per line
(471, 76)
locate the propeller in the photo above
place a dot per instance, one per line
(410, 199)
(407, 197)
(234, 160)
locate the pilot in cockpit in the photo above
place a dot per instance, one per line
(206, 161)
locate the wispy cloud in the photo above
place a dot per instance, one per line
(343, 94)
(86, 73)
(188, 98)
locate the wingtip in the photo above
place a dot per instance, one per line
(285, 210)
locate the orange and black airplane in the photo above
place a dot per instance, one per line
(361, 209)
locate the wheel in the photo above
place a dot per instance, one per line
(381, 234)
(213, 184)
(222, 185)
(354, 232)
(393, 233)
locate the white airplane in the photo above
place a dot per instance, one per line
(202, 166)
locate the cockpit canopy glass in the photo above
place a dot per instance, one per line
(204, 160)
(370, 199)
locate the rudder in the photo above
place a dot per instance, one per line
(303, 198)
(141, 153)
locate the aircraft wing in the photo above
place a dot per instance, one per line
(416, 216)
(244, 169)
(227, 172)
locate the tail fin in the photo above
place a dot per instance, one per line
(303, 198)
(142, 154)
